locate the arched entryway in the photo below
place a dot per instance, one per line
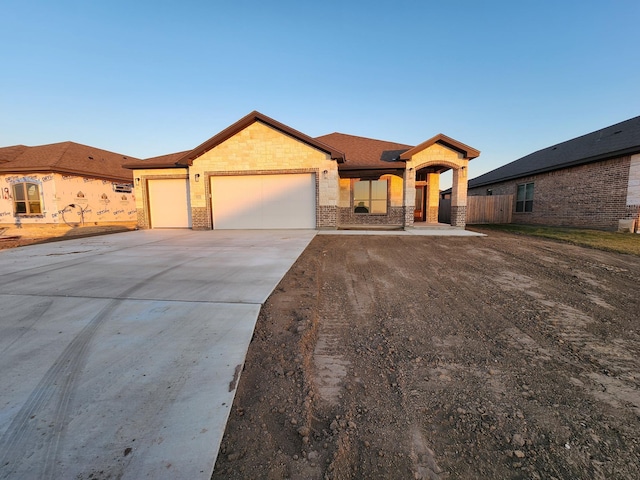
(424, 165)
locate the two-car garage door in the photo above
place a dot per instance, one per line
(264, 201)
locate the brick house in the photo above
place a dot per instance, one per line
(260, 173)
(64, 184)
(591, 181)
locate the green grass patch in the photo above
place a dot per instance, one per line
(610, 241)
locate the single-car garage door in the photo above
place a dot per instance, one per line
(264, 201)
(169, 203)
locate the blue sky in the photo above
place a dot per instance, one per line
(146, 78)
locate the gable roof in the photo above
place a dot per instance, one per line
(185, 159)
(614, 141)
(243, 123)
(67, 158)
(366, 153)
(468, 152)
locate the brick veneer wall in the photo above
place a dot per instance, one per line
(200, 218)
(394, 217)
(142, 218)
(326, 217)
(591, 195)
(408, 217)
(458, 215)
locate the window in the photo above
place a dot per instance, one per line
(524, 198)
(370, 196)
(26, 199)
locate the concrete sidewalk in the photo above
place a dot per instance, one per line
(120, 354)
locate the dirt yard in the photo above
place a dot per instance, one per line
(443, 358)
(20, 237)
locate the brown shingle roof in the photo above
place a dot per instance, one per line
(366, 153)
(67, 158)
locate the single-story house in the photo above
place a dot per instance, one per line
(64, 183)
(259, 173)
(590, 181)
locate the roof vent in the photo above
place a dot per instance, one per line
(90, 157)
(617, 132)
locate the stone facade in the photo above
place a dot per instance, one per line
(437, 155)
(264, 147)
(260, 150)
(593, 195)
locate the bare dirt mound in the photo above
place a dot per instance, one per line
(434, 358)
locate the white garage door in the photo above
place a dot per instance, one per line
(264, 201)
(169, 203)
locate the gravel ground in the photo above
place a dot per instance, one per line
(442, 358)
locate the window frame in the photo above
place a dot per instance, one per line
(21, 196)
(369, 199)
(524, 197)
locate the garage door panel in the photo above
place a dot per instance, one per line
(169, 203)
(264, 201)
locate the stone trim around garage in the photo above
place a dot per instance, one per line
(144, 214)
(325, 214)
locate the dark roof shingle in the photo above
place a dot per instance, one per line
(616, 140)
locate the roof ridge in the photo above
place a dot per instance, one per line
(67, 146)
(364, 138)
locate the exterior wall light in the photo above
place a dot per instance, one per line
(138, 181)
(196, 177)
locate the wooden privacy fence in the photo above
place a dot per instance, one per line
(487, 209)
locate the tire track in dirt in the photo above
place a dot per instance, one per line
(569, 325)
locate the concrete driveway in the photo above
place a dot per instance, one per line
(120, 354)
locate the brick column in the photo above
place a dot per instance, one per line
(459, 216)
(459, 197)
(409, 195)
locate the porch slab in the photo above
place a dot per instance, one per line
(434, 232)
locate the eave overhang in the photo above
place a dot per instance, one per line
(574, 163)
